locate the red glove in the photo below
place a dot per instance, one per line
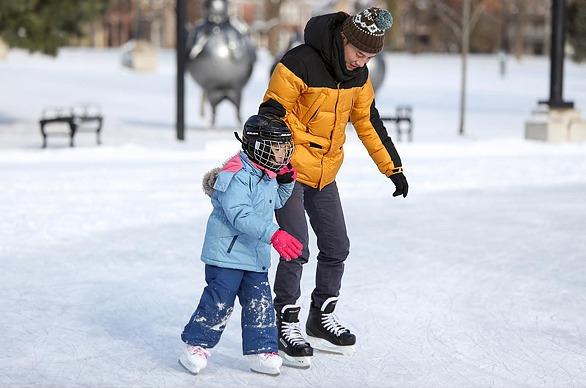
(288, 246)
(287, 174)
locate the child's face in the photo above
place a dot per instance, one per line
(279, 152)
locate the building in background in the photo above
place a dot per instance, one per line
(519, 27)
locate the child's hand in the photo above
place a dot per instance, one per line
(288, 246)
(286, 174)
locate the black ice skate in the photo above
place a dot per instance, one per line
(324, 332)
(293, 348)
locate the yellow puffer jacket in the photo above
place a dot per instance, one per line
(317, 97)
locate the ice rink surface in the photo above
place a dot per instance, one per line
(476, 279)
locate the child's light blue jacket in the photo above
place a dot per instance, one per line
(239, 230)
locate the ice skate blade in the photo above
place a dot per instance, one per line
(326, 346)
(295, 362)
(188, 365)
(267, 371)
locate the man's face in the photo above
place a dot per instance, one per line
(355, 58)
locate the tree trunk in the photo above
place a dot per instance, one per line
(273, 11)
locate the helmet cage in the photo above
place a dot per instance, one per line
(272, 154)
(268, 142)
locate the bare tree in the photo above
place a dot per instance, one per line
(462, 24)
(273, 11)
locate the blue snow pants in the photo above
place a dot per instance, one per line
(259, 331)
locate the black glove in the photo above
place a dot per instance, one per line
(401, 185)
(287, 174)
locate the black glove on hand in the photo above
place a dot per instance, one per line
(401, 185)
(287, 174)
(285, 178)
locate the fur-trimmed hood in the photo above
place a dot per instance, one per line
(209, 180)
(234, 164)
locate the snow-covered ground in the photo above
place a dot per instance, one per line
(476, 279)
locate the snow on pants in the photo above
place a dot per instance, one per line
(327, 221)
(259, 331)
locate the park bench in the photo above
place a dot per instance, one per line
(402, 121)
(83, 118)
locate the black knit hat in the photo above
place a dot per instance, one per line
(366, 29)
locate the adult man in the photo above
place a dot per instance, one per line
(317, 88)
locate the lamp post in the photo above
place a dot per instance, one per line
(180, 11)
(558, 42)
(556, 120)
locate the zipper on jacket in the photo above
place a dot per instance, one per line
(331, 136)
(311, 118)
(336, 111)
(232, 243)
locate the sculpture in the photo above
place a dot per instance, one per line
(220, 57)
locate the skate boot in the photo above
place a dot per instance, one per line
(293, 348)
(324, 332)
(267, 363)
(194, 358)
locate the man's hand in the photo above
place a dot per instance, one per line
(401, 185)
(288, 246)
(286, 174)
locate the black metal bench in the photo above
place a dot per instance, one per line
(403, 121)
(83, 118)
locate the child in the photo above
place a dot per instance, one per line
(236, 250)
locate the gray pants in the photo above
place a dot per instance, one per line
(327, 221)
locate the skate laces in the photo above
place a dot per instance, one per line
(269, 355)
(330, 323)
(292, 333)
(198, 350)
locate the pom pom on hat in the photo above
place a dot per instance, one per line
(366, 29)
(384, 20)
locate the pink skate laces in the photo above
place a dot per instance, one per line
(199, 351)
(269, 355)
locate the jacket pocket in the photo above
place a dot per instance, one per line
(232, 244)
(313, 115)
(313, 109)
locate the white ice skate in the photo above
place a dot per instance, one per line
(194, 358)
(267, 363)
